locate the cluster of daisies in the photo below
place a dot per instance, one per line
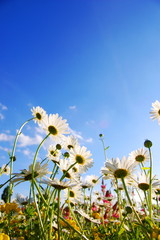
(69, 159)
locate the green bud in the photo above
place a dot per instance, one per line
(101, 135)
(58, 146)
(128, 209)
(13, 158)
(148, 143)
(66, 154)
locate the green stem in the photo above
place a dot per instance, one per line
(129, 200)
(150, 186)
(12, 157)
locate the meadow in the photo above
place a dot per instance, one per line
(63, 201)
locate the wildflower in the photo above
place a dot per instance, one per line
(4, 236)
(66, 167)
(5, 169)
(92, 180)
(155, 111)
(27, 175)
(73, 194)
(143, 181)
(58, 184)
(8, 207)
(39, 114)
(82, 157)
(140, 155)
(55, 126)
(53, 153)
(70, 142)
(117, 168)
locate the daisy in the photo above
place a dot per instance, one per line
(53, 153)
(58, 184)
(92, 180)
(117, 168)
(73, 194)
(55, 126)
(82, 157)
(143, 181)
(140, 155)
(66, 167)
(70, 142)
(155, 111)
(5, 169)
(26, 175)
(39, 114)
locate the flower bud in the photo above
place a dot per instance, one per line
(128, 209)
(148, 143)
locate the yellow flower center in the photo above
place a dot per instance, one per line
(143, 186)
(52, 130)
(140, 158)
(120, 173)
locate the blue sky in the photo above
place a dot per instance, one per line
(96, 63)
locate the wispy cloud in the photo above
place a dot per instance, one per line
(1, 116)
(89, 140)
(73, 107)
(3, 107)
(25, 140)
(79, 136)
(6, 137)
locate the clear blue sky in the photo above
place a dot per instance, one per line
(102, 57)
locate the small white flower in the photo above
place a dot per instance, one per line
(73, 194)
(82, 157)
(66, 167)
(26, 175)
(5, 169)
(117, 168)
(58, 184)
(155, 111)
(56, 127)
(53, 153)
(139, 155)
(70, 142)
(39, 114)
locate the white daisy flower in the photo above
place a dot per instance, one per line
(82, 157)
(26, 175)
(39, 114)
(70, 142)
(56, 127)
(92, 180)
(54, 154)
(139, 155)
(73, 194)
(5, 169)
(143, 181)
(64, 165)
(58, 184)
(155, 111)
(117, 168)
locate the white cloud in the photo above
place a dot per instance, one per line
(3, 107)
(27, 152)
(76, 134)
(1, 116)
(89, 140)
(73, 107)
(25, 140)
(5, 137)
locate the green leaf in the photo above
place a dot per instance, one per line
(106, 148)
